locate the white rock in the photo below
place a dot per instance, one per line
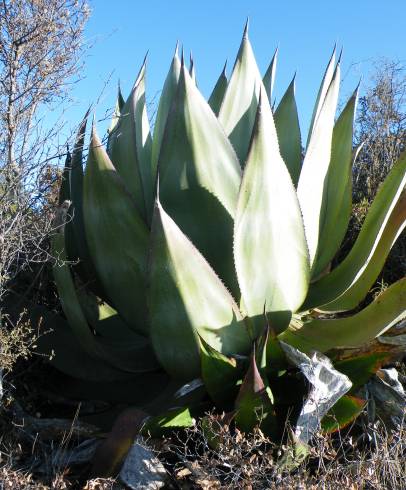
(142, 470)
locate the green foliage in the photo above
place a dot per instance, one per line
(237, 207)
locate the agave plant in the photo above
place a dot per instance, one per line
(200, 250)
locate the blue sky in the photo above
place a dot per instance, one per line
(122, 31)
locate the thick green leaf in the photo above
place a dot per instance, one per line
(134, 357)
(337, 197)
(357, 292)
(114, 335)
(58, 344)
(269, 77)
(217, 96)
(199, 178)
(359, 369)
(194, 136)
(130, 148)
(76, 188)
(103, 318)
(254, 403)
(324, 86)
(345, 411)
(187, 298)
(176, 418)
(117, 237)
(237, 112)
(269, 244)
(65, 213)
(75, 230)
(165, 103)
(346, 286)
(311, 187)
(353, 331)
(288, 129)
(219, 373)
(68, 298)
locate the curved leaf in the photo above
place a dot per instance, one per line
(217, 96)
(237, 112)
(199, 178)
(350, 281)
(130, 146)
(219, 373)
(64, 215)
(137, 357)
(288, 129)
(311, 186)
(337, 197)
(345, 411)
(360, 368)
(269, 244)
(116, 235)
(353, 331)
(357, 292)
(186, 298)
(165, 103)
(58, 343)
(254, 404)
(103, 318)
(84, 267)
(68, 298)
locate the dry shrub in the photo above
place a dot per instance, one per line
(210, 456)
(16, 343)
(380, 126)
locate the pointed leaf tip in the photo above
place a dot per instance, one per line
(260, 98)
(246, 27)
(141, 73)
(94, 136)
(86, 116)
(357, 87)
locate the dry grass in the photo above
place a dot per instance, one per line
(37, 453)
(212, 456)
(376, 460)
